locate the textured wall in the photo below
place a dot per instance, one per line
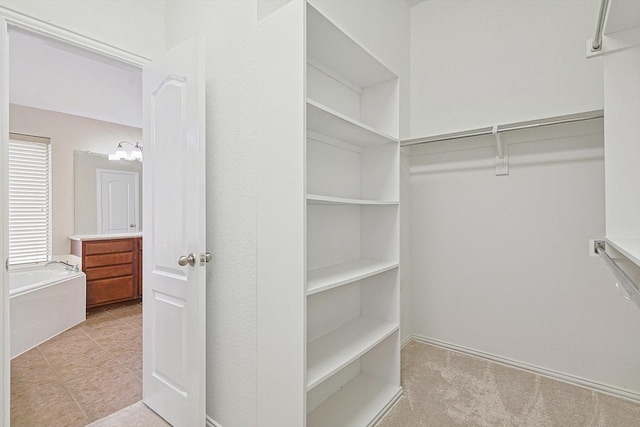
(134, 26)
(487, 62)
(266, 7)
(500, 264)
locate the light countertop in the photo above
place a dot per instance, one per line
(82, 237)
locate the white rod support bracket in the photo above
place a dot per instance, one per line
(495, 133)
(502, 154)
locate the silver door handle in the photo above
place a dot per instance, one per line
(132, 225)
(189, 259)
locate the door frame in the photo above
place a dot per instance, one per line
(99, 172)
(10, 19)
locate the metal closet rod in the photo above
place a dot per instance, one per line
(597, 39)
(622, 278)
(592, 115)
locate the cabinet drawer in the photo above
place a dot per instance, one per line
(110, 290)
(110, 246)
(107, 259)
(109, 272)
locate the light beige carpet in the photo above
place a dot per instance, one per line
(136, 415)
(443, 388)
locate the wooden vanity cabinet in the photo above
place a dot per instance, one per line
(113, 269)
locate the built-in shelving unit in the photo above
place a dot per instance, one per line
(621, 52)
(328, 191)
(352, 226)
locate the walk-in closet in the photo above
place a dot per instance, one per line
(369, 213)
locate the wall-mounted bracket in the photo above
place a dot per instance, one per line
(502, 154)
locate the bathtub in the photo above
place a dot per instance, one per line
(43, 301)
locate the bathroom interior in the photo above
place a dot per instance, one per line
(82, 109)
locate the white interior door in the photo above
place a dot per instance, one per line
(174, 218)
(118, 201)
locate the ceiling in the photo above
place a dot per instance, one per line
(51, 75)
(414, 2)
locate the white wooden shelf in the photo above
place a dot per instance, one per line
(628, 247)
(316, 199)
(329, 45)
(352, 123)
(325, 278)
(357, 404)
(325, 121)
(333, 351)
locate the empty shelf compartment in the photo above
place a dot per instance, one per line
(357, 404)
(325, 121)
(333, 351)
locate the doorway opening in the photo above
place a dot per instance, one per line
(86, 104)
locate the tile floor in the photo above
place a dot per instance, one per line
(81, 375)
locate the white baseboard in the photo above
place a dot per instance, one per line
(406, 341)
(387, 408)
(211, 422)
(582, 382)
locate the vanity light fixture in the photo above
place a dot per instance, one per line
(121, 153)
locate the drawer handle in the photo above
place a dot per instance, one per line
(189, 259)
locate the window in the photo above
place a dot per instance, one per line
(29, 199)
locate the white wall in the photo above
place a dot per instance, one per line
(134, 26)
(500, 264)
(487, 62)
(67, 133)
(229, 29)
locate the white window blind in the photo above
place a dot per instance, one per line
(29, 199)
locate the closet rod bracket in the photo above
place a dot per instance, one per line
(502, 153)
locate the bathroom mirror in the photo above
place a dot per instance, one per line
(95, 211)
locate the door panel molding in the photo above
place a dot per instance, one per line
(175, 226)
